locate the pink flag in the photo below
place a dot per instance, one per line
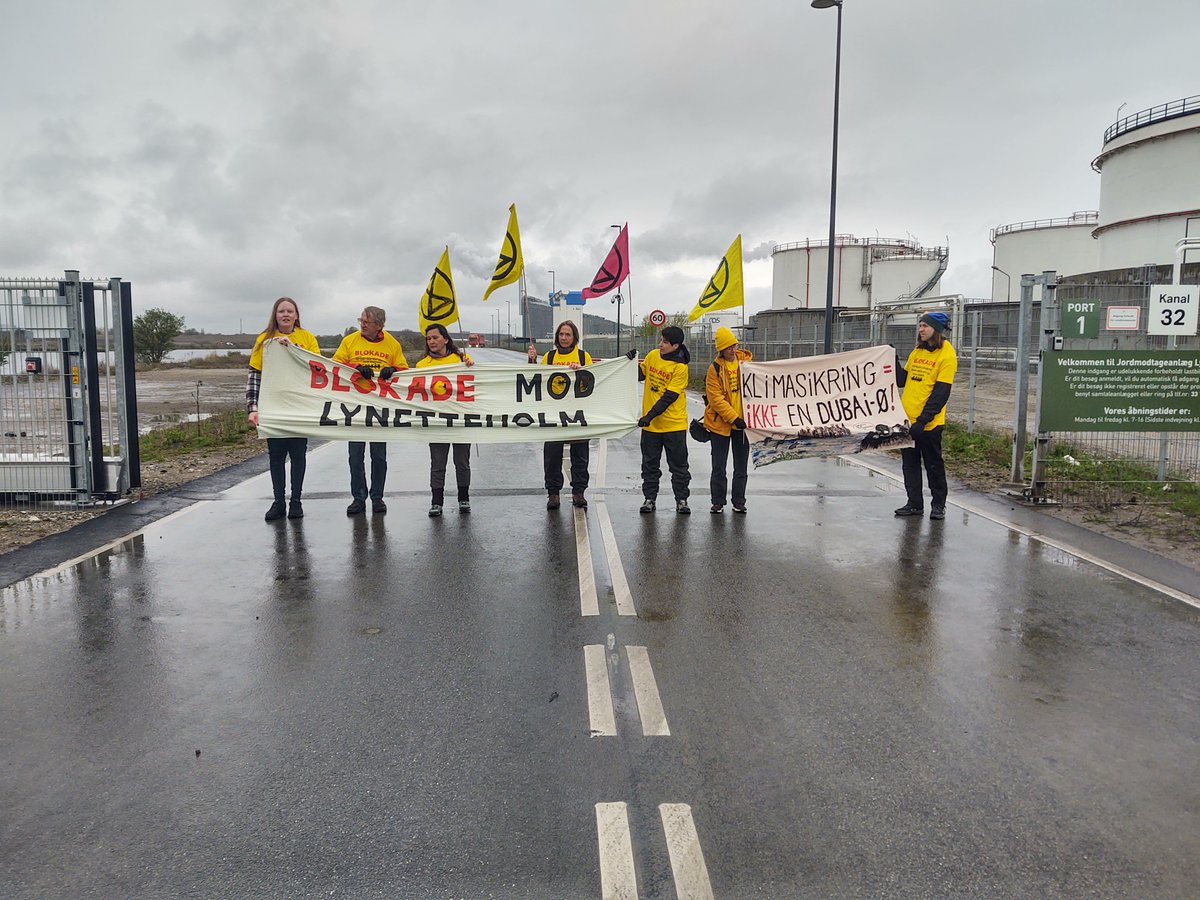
(615, 268)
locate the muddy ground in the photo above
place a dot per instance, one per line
(167, 395)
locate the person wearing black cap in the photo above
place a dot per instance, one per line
(664, 419)
(926, 379)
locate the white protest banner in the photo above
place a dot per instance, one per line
(822, 405)
(305, 395)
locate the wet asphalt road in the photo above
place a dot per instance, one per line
(396, 706)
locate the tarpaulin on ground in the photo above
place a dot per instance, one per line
(304, 395)
(822, 405)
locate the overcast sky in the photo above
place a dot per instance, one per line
(220, 154)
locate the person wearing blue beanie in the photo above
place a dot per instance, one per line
(926, 379)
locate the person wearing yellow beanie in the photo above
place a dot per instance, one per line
(723, 419)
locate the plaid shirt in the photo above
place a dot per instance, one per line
(253, 385)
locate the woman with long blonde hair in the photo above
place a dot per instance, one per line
(284, 327)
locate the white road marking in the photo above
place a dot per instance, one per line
(589, 603)
(618, 881)
(683, 844)
(616, 571)
(1058, 545)
(645, 689)
(600, 705)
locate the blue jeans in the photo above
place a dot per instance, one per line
(358, 471)
(278, 452)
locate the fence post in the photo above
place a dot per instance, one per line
(1050, 326)
(975, 329)
(1024, 326)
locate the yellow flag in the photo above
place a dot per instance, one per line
(510, 264)
(438, 305)
(725, 288)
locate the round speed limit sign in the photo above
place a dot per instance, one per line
(657, 317)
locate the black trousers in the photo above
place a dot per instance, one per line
(720, 445)
(358, 469)
(552, 465)
(438, 454)
(928, 450)
(675, 445)
(278, 451)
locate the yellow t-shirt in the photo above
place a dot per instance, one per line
(448, 360)
(356, 350)
(305, 340)
(664, 375)
(735, 385)
(925, 368)
(575, 355)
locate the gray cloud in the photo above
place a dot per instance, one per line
(330, 151)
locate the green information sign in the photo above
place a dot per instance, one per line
(1131, 391)
(1081, 319)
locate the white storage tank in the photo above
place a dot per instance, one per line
(866, 270)
(1149, 184)
(1063, 245)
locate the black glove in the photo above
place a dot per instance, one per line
(387, 372)
(643, 421)
(365, 371)
(632, 354)
(916, 429)
(739, 422)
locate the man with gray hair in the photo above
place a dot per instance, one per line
(375, 354)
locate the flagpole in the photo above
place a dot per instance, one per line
(523, 299)
(629, 294)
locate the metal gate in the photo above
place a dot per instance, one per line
(68, 407)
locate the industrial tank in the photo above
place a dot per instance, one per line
(1149, 184)
(866, 271)
(1064, 245)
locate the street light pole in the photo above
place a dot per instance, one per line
(1008, 289)
(508, 306)
(837, 86)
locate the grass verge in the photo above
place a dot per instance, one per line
(227, 428)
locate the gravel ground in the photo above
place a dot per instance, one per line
(165, 395)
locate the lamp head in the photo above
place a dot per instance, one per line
(825, 4)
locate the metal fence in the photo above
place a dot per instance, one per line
(68, 413)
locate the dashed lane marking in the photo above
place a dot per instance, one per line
(683, 845)
(616, 571)
(589, 603)
(618, 881)
(645, 690)
(600, 706)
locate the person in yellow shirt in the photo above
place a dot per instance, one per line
(926, 380)
(566, 352)
(374, 353)
(664, 419)
(723, 419)
(440, 350)
(283, 326)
